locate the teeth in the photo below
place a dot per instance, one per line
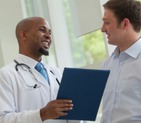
(46, 44)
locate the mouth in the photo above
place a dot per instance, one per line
(46, 44)
(107, 35)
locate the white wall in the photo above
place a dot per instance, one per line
(1, 56)
(10, 14)
(86, 15)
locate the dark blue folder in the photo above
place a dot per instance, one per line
(85, 88)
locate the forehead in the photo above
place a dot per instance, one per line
(42, 23)
(108, 15)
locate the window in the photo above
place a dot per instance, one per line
(88, 49)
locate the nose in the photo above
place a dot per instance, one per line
(48, 35)
(103, 28)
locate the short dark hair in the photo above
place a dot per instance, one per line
(130, 9)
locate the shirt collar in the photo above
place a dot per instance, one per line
(26, 60)
(133, 51)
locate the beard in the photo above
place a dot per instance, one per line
(44, 52)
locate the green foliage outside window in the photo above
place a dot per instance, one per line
(88, 49)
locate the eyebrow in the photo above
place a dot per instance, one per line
(104, 19)
(45, 28)
(42, 27)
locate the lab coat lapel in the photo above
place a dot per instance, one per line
(40, 78)
(53, 83)
(50, 76)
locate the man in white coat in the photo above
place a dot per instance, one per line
(25, 95)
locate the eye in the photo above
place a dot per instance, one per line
(106, 23)
(42, 30)
(49, 32)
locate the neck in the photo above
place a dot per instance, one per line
(127, 42)
(37, 58)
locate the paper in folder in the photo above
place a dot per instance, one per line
(85, 88)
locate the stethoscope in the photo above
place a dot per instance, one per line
(26, 67)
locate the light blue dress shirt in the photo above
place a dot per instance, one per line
(122, 96)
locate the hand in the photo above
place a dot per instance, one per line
(55, 109)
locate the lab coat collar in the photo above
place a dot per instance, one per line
(32, 63)
(27, 60)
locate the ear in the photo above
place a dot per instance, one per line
(125, 23)
(23, 35)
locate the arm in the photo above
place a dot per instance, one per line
(12, 112)
(9, 113)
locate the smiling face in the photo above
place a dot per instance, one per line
(34, 37)
(111, 27)
(39, 37)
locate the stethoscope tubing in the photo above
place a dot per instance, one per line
(26, 66)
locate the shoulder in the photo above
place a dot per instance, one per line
(8, 69)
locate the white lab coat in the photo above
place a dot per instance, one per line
(19, 101)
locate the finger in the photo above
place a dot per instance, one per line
(66, 109)
(63, 113)
(65, 105)
(64, 101)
